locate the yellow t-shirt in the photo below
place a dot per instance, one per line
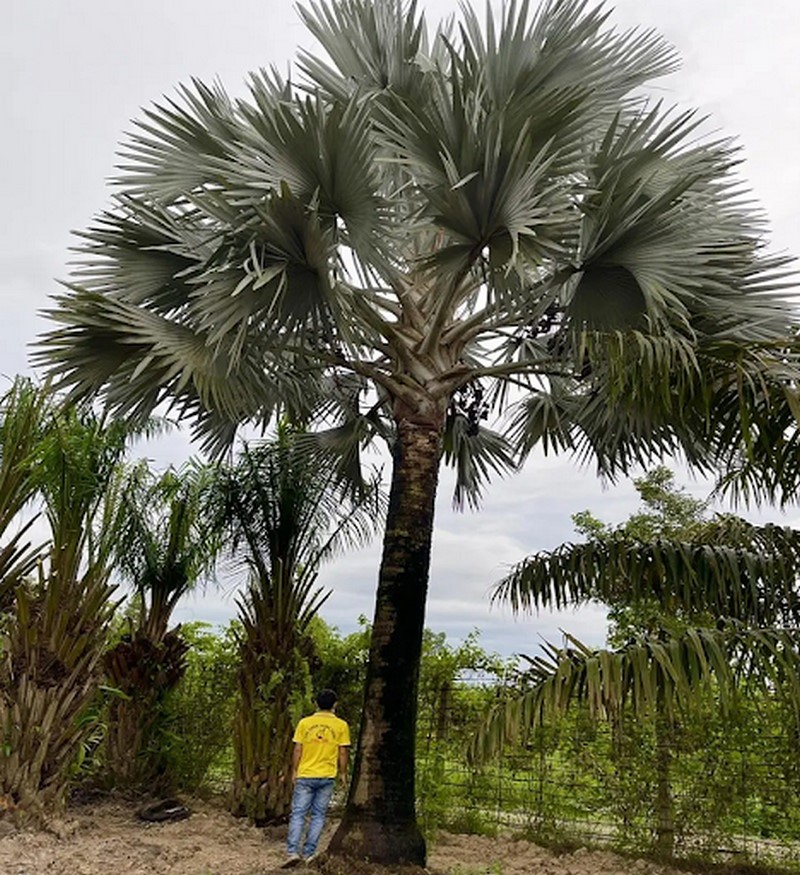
(321, 734)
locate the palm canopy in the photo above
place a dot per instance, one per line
(285, 512)
(729, 568)
(427, 213)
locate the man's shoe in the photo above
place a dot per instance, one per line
(291, 861)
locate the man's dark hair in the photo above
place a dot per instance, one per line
(326, 699)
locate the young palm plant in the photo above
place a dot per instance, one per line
(457, 221)
(694, 602)
(166, 546)
(286, 513)
(55, 630)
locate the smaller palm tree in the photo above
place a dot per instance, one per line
(22, 409)
(56, 626)
(696, 601)
(286, 512)
(165, 548)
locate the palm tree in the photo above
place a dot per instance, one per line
(56, 627)
(165, 547)
(286, 514)
(694, 600)
(418, 231)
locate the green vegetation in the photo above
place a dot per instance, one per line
(165, 547)
(415, 231)
(732, 778)
(704, 623)
(56, 620)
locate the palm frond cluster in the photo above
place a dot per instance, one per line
(707, 603)
(419, 211)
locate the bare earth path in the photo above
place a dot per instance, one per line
(106, 839)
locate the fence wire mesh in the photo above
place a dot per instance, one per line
(708, 785)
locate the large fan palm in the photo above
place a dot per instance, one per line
(453, 221)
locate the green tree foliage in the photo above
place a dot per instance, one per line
(418, 228)
(200, 711)
(693, 599)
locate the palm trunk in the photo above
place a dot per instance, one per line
(49, 677)
(262, 736)
(145, 671)
(380, 822)
(665, 807)
(274, 690)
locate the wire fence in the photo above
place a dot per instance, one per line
(713, 786)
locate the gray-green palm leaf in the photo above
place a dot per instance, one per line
(423, 216)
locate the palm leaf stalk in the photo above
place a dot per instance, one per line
(56, 629)
(423, 229)
(286, 514)
(166, 546)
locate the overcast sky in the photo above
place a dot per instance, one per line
(75, 73)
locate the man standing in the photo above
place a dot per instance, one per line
(321, 750)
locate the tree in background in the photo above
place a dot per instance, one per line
(692, 600)
(165, 547)
(419, 229)
(286, 514)
(55, 630)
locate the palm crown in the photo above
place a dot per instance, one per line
(421, 217)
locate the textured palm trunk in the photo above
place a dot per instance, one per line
(145, 671)
(262, 738)
(380, 822)
(274, 690)
(665, 806)
(49, 678)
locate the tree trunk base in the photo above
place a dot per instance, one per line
(362, 837)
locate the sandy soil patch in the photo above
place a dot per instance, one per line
(106, 838)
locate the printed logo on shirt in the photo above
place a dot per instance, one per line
(320, 732)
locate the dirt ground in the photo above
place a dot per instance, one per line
(106, 838)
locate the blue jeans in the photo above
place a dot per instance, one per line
(312, 794)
